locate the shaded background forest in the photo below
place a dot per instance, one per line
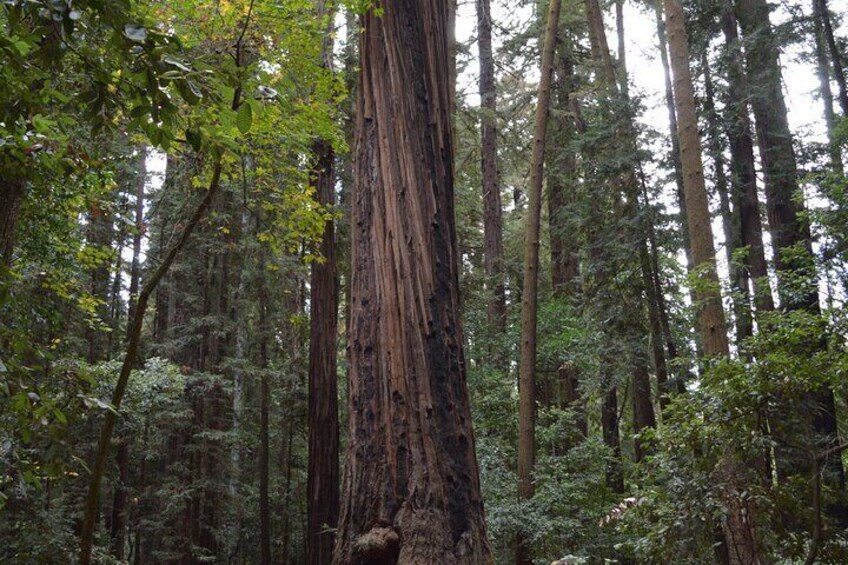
(118, 119)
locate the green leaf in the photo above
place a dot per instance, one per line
(244, 118)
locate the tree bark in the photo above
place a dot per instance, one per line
(264, 446)
(789, 229)
(739, 529)
(323, 418)
(530, 292)
(780, 170)
(119, 502)
(743, 165)
(822, 14)
(730, 218)
(138, 234)
(492, 214)
(411, 480)
(323, 475)
(708, 298)
(10, 209)
(674, 135)
(561, 179)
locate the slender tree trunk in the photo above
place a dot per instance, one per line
(740, 533)
(674, 135)
(110, 418)
(411, 480)
(264, 406)
(730, 217)
(138, 233)
(492, 214)
(819, 17)
(529, 295)
(744, 173)
(119, 501)
(323, 418)
(822, 14)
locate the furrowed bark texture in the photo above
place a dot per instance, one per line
(492, 216)
(411, 480)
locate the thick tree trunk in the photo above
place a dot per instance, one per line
(411, 480)
(492, 214)
(530, 292)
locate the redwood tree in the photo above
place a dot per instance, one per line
(492, 221)
(411, 483)
(323, 477)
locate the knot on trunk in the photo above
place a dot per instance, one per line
(380, 546)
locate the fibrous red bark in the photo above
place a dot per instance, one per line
(411, 484)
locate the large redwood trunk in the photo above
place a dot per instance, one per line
(411, 482)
